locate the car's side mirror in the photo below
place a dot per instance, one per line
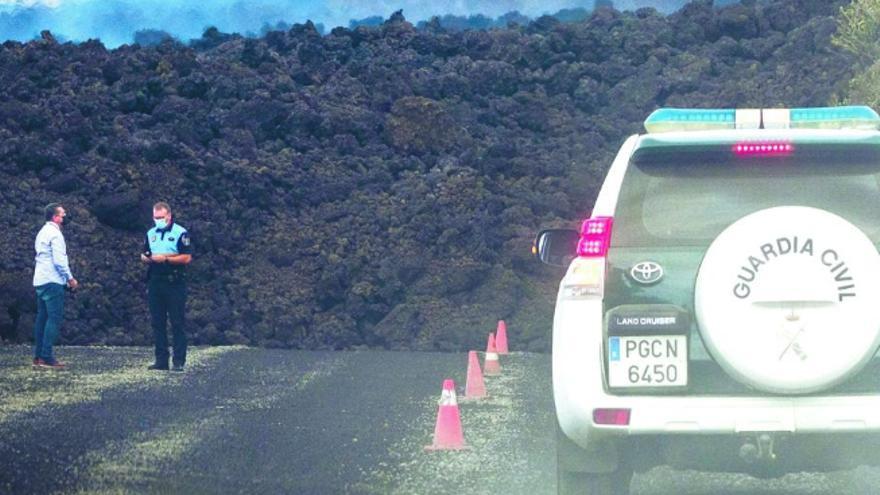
(556, 247)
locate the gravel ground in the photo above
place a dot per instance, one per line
(238, 421)
(665, 481)
(257, 421)
(509, 435)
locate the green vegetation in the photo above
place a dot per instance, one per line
(858, 31)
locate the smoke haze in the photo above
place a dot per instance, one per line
(114, 22)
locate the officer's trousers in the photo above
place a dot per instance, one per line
(168, 302)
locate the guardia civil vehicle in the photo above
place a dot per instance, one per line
(720, 310)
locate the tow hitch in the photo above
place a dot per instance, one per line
(759, 450)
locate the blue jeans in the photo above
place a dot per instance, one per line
(50, 311)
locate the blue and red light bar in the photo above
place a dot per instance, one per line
(853, 117)
(684, 119)
(694, 119)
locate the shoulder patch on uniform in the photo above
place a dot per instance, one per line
(184, 239)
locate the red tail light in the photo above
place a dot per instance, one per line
(595, 237)
(763, 149)
(617, 417)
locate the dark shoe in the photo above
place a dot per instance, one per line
(38, 363)
(157, 367)
(178, 368)
(53, 365)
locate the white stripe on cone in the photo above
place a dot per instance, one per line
(491, 365)
(447, 431)
(447, 398)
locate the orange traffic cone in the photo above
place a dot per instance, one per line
(491, 365)
(447, 432)
(501, 338)
(475, 388)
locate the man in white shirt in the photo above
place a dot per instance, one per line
(51, 274)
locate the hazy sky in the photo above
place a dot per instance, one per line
(115, 21)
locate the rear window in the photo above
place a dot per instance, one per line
(687, 195)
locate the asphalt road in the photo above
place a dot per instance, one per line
(270, 421)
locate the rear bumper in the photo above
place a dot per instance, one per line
(578, 389)
(714, 415)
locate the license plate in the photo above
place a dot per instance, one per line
(650, 361)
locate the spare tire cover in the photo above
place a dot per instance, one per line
(787, 299)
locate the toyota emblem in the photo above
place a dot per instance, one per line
(646, 272)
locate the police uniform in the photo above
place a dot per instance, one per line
(167, 290)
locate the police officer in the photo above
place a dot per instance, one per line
(167, 251)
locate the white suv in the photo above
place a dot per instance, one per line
(721, 306)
